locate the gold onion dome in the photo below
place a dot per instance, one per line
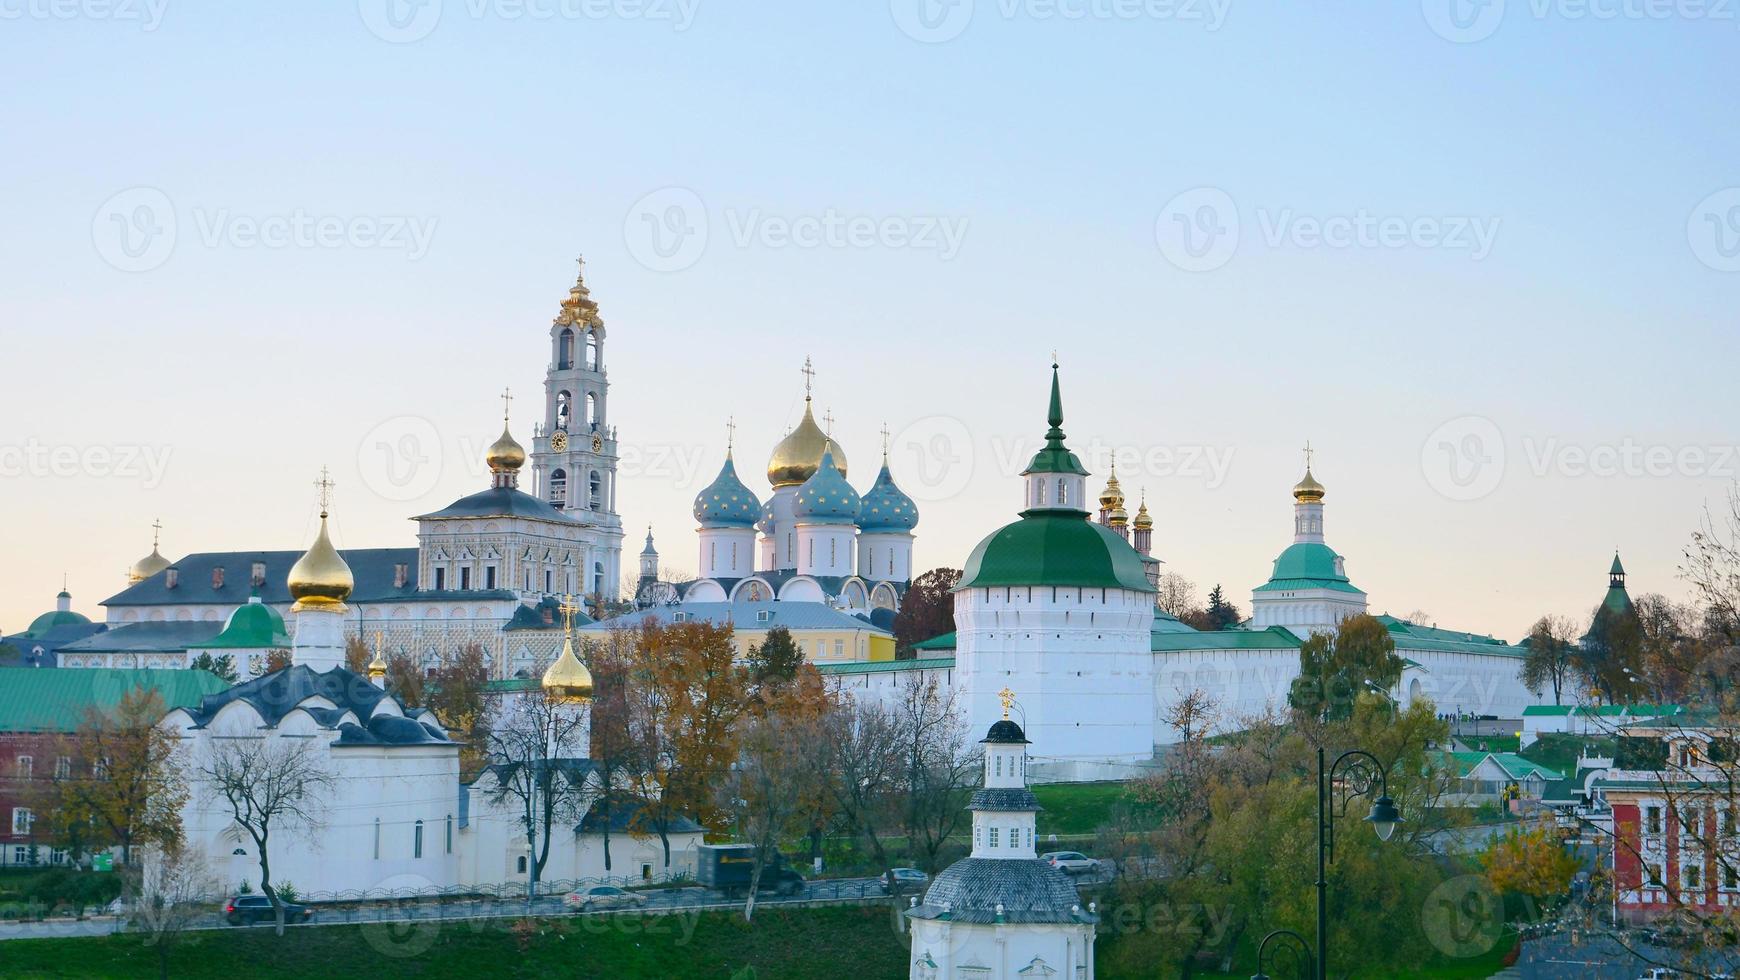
(377, 666)
(505, 455)
(1144, 521)
(799, 455)
(320, 577)
(1112, 497)
(147, 566)
(568, 679)
(1308, 490)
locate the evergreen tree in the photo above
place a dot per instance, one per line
(1221, 614)
(224, 666)
(776, 659)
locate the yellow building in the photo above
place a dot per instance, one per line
(825, 635)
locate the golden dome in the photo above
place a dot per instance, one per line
(505, 455)
(1112, 497)
(1144, 522)
(320, 577)
(568, 679)
(147, 566)
(377, 666)
(799, 455)
(1118, 517)
(1308, 490)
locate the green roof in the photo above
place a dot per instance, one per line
(1413, 636)
(55, 700)
(255, 626)
(884, 666)
(1308, 565)
(1165, 622)
(1521, 768)
(51, 620)
(1465, 762)
(1055, 548)
(1273, 638)
(1550, 710)
(1617, 568)
(943, 642)
(1055, 457)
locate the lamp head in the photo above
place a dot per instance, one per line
(1384, 817)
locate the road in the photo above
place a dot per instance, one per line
(1567, 957)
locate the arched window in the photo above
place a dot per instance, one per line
(564, 410)
(1062, 492)
(377, 838)
(559, 488)
(595, 489)
(598, 578)
(594, 350)
(592, 418)
(520, 864)
(417, 840)
(565, 350)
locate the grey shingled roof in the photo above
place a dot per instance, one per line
(1004, 799)
(373, 569)
(500, 502)
(1029, 890)
(165, 637)
(277, 694)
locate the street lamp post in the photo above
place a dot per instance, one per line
(1364, 773)
(1302, 958)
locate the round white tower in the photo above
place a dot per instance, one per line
(727, 513)
(885, 529)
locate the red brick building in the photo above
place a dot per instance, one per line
(39, 709)
(1675, 797)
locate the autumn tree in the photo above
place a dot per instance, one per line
(125, 783)
(276, 660)
(865, 749)
(455, 692)
(1530, 860)
(685, 695)
(1552, 656)
(615, 751)
(267, 786)
(407, 680)
(941, 766)
(774, 787)
(1336, 668)
(927, 611)
(357, 655)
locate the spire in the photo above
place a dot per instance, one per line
(578, 306)
(1616, 574)
(1056, 417)
(1055, 457)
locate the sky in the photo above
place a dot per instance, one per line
(1483, 257)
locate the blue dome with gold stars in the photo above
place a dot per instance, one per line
(887, 507)
(727, 502)
(826, 497)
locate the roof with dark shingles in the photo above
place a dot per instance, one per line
(167, 637)
(621, 817)
(1029, 890)
(277, 694)
(373, 568)
(499, 502)
(1004, 799)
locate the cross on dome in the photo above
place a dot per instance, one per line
(507, 402)
(324, 486)
(568, 609)
(156, 533)
(809, 377)
(1008, 698)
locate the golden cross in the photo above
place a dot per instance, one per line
(730, 434)
(581, 262)
(156, 533)
(507, 402)
(324, 485)
(568, 609)
(1008, 698)
(1308, 454)
(809, 377)
(828, 420)
(379, 637)
(885, 435)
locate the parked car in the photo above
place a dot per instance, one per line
(1073, 862)
(603, 897)
(1658, 973)
(245, 910)
(897, 880)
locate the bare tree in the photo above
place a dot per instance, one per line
(771, 785)
(1177, 594)
(268, 785)
(941, 766)
(536, 754)
(167, 893)
(1552, 656)
(864, 745)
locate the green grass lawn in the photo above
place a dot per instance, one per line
(1076, 808)
(803, 943)
(1472, 968)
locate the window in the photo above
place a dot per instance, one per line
(1062, 492)
(558, 488)
(993, 831)
(1652, 820)
(1030, 837)
(20, 821)
(598, 578)
(1694, 876)
(1730, 876)
(440, 580)
(450, 833)
(833, 552)
(1652, 876)
(997, 765)
(549, 581)
(21, 855)
(63, 769)
(520, 865)
(592, 350)
(595, 486)
(417, 840)
(811, 552)
(565, 350)
(377, 838)
(1728, 822)
(839, 649)
(26, 767)
(489, 577)
(593, 414)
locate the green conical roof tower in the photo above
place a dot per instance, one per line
(1055, 457)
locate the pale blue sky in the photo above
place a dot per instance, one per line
(1592, 318)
